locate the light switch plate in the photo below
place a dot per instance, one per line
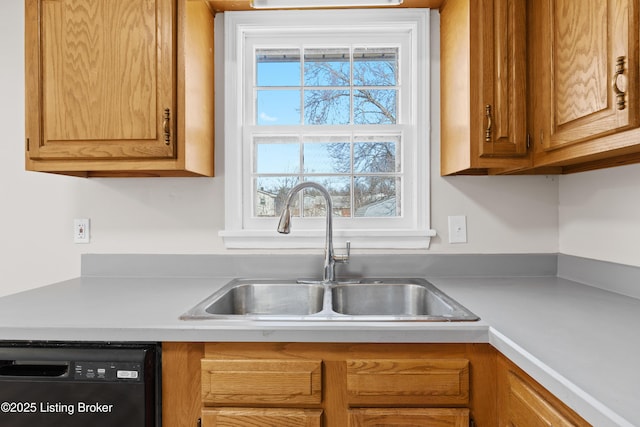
(458, 229)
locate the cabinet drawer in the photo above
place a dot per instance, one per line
(263, 417)
(276, 382)
(408, 382)
(406, 417)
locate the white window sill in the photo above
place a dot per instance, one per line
(305, 239)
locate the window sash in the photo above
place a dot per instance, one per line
(297, 162)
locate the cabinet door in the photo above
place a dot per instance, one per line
(483, 84)
(522, 402)
(408, 417)
(100, 79)
(527, 408)
(263, 417)
(594, 69)
(504, 82)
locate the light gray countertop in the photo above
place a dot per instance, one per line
(148, 309)
(579, 341)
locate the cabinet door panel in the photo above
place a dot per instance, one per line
(103, 80)
(274, 382)
(504, 130)
(408, 417)
(408, 382)
(587, 40)
(529, 409)
(254, 417)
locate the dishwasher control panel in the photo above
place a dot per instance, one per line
(107, 371)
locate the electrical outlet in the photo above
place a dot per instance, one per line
(458, 229)
(81, 230)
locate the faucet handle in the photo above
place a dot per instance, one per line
(343, 259)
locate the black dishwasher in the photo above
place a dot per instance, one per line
(79, 384)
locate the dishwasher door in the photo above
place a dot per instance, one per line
(79, 385)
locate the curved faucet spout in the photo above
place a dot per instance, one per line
(284, 227)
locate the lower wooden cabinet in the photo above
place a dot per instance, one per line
(344, 385)
(352, 385)
(522, 402)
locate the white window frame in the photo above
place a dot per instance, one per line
(408, 231)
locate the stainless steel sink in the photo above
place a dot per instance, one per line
(261, 298)
(365, 300)
(414, 298)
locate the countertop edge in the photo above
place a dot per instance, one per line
(573, 396)
(239, 331)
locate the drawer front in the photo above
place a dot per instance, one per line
(263, 417)
(409, 417)
(263, 382)
(383, 382)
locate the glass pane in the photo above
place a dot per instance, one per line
(376, 154)
(339, 189)
(270, 194)
(327, 157)
(375, 66)
(278, 107)
(326, 67)
(374, 106)
(276, 156)
(376, 196)
(278, 67)
(326, 107)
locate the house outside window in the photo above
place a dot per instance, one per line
(336, 97)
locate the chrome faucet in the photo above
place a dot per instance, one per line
(330, 258)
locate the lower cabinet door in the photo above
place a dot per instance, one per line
(263, 417)
(527, 408)
(409, 417)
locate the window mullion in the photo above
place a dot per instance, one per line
(352, 176)
(303, 85)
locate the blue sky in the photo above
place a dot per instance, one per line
(278, 100)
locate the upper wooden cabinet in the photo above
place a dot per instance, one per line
(106, 85)
(594, 63)
(585, 74)
(483, 86)
(557, 78)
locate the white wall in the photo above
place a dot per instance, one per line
(504, 214)
(600, 214)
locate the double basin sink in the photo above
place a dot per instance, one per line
(364, 300)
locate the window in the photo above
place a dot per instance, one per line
(336, 97)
